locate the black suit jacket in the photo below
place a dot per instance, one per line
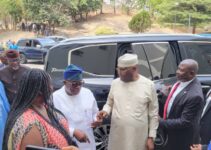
(182, 124)
(205, 125)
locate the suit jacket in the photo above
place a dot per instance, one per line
(182, 124)
(205, 125)
(11, 78)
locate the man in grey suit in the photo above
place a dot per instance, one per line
(182, 110)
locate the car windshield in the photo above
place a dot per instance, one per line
(46, 41)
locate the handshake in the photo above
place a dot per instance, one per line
(102, 115)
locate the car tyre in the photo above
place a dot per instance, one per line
(101, 136)
(23, 59)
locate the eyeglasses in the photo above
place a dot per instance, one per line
(74, 83)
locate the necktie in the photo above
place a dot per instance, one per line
(168, 99)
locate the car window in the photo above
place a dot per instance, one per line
(22, 43)
(143, 64)
(35, 43)
(169, 65)
(95, 59)
(156, 54)
(199, 51)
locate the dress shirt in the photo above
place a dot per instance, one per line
(205, 107)
(178, 90)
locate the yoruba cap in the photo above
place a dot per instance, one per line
(127, 60)
(73, 72)
(12, 54)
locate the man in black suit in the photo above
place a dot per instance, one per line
(183, 108)
(205, 122)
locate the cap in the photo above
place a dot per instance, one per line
(127, 60)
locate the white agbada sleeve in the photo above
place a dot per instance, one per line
(153, 113)
(95, 110)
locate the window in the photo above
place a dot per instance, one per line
(95, 59)
(169, 65)
(161, 59)
(143, 63)
(199, 51)
(35, 43)
(22, 43)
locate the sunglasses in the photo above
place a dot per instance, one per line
(13, 60)
(74, 83)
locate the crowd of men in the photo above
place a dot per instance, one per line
(33, 114)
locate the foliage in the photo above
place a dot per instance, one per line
(103, 30)
(195, 12)
(47, 11)
(140, 22)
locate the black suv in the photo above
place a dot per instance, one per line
(158, 54)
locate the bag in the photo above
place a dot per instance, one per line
(161, 139)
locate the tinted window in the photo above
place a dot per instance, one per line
(199, 51)
(156, 54)
(95, 59)
(143, 63)
(22, 43)
(35, 43)
(169, 65)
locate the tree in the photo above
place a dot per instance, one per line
(50, 12)
(140, 22)
(13, 9)
(195, 12)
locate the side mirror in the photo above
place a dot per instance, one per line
(38, 46)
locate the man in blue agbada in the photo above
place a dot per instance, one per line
(79, 107)
(4, 109)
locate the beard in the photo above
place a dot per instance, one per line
(127, 78)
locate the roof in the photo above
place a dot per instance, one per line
(134, 38)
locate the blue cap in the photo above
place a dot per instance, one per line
(73, 73)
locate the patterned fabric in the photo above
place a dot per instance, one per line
(51, 137)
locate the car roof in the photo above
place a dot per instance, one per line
(55, 36)
(39, 39)
(134, 38)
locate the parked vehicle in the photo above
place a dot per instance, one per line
(159, 56)
(34, 49)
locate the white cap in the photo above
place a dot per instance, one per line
(127, 60)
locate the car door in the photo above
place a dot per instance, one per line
(157, 61)
(24, 47)
(36, 51)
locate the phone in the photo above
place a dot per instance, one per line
(32, 147)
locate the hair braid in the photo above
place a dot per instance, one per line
(33, 82)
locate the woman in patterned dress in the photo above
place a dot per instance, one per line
(33, 119)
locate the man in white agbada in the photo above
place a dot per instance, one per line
(79, 107)
(133, 102)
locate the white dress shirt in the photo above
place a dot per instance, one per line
(80, 111)
(178, 90)
(205, 107)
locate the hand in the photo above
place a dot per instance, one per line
(70, 148)
(97, 123)
(102, 114)
(150, 144)
(80, 136)
(196, 147)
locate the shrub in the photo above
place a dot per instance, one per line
(103, 30)
(140, 22)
